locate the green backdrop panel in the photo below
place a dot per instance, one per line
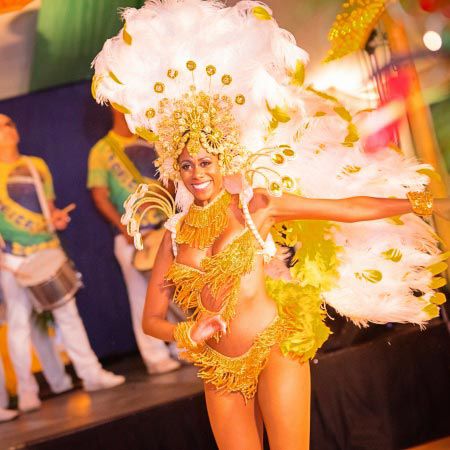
(69, 35)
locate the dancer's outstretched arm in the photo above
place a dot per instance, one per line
(352, 209)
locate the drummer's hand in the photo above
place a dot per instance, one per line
(60, 219)
(206, 327)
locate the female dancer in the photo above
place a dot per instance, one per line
(251, 336)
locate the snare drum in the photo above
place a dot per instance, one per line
(50, 277)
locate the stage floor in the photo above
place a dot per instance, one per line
(441, 444)
(363, 397)
(77, 410)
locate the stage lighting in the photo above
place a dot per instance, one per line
(432, 41)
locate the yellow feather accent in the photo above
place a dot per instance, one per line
(352, 136)
(370, 275)
(261, 13)
(395, 220)
(431, 310)
(430, 173)
(315, 262)
(298, 75)
(321, 94)
(444, 256)
(126, 36)
(438, 268)
(396, 149)
(114, 77)
(438, 299)
(393, 254)
(121, 108)
(343, 113)
(96, 79)
(348, 170)
(278, 113)
(300, 307)
(438, 282)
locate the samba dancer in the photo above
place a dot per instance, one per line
(238, 134)
(25, 232)
(110, 182)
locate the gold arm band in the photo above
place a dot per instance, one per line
(182, 335)
(421, 202)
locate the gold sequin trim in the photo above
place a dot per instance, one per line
(202, 225)
(240, 373)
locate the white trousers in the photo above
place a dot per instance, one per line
(51, 364)
(3, 394)
(152, 350)
(20, 331)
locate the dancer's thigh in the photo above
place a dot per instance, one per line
(284, 394)
(235, 424)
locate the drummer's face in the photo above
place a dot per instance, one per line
(201, 175)
(8, 131)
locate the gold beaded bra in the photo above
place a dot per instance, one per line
(220, 274)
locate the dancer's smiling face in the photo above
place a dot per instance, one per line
(201, 175)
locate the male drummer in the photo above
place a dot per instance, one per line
(111, 181)
(25, 232)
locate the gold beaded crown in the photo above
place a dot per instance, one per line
(196, 120)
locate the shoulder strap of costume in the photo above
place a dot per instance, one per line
(268, 248)
(171, 225)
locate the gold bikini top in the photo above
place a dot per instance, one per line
(220, 273)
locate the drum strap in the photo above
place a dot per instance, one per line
(40, 193)
(118, 151)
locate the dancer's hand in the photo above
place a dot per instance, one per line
(441, 207)
(206, 327)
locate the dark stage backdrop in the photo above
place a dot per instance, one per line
(61, 125)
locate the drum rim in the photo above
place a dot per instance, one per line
(50, 276)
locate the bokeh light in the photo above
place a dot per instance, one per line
(432, 41)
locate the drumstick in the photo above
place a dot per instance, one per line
(69, 208)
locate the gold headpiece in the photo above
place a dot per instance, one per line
(196, 120)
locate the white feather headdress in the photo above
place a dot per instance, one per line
(383, 270)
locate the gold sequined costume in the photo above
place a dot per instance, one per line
(221, 276)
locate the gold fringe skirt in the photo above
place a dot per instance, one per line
(299, 330)
(238, 373)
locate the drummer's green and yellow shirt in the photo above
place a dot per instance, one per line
(22, 223)
(106, 169)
